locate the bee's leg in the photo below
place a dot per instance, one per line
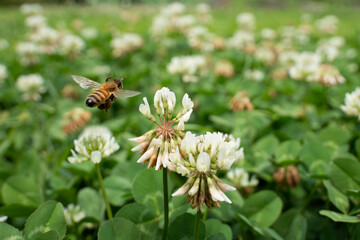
(102, 106)
(112, 98)
(111, 75)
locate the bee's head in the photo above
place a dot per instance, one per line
(120, 82)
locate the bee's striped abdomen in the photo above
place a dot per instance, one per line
(97, 97)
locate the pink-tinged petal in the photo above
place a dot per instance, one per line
(195, 187)
(138, 139)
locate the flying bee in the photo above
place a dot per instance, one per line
(104, 94)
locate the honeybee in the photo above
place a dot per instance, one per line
(104, 94)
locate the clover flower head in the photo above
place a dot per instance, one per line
(327, 75)
(31, 85)
(241, 179)
(73, 214)
(125, 44)
(75, 119)
(94, 143)
(246, 21)
(71, 45)
(198, 158)
(157, 144)
(352, 103)
(189, 67)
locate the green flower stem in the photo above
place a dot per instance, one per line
(310, 196)
(166, 203)
(205, 214)
(197, 223)
(108, 208)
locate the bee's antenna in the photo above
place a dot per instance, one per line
(111, 75)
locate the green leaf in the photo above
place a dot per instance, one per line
(9, 232)
(49, 216)
(338, 217)
(91, 203)
(337, 198)
(182, 228)
(22, 190)
(53, 235)
(319, 169)
(262, 208)
(244, 220)
(214, 226)
(263, 149)
(287, 151)
(118, 229)
(337, 135)
(291, 225)
(145, 219)
(16, 210)
(217, 236)
(313, 151)
(344, 174)
(118, 189)
(148, 189)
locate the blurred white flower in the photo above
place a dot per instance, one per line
(30, 8)
(255, 74)
(288, 58)
(199, 158)
(31, 85)
(330, 48)
(35, 21)
(306, 63)
(241, 101)
(268, 34)
(246, 21)
(71, 45)
(28, 53)
(73, 214)
(3, 218)
(352, 103)
(327, 75)
(224, 68)
(125, 44)
(171, 19)
(47, 39)
(327, 24)
(241, 39)
(158, 143)
(265, 55)
(89, 33)
(94, 143)
(241, 179)
(101, 70)
(203, 12)
(200, 38)
(3, 73)
(190, 67)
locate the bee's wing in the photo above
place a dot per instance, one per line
(125, 93)
(86, 83)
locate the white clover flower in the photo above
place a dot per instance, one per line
(125, 44)
(265, 55)
(190, 67)
(255, 74)
(352, 103)
(330, 48)
(71, 45)
(203, 12)
(73, 214)
(268, 34)
(47, 40)
(171, 19)
(241, 39)
(241, 179)
(157, 144)
(198, 158)
(246, 21)
(306, 63)
(101, 70)
(292, 36)
(327, 75)
(199, 37)
(94, 143)
(89, 33)
(288, 58)
(3, 73)
(327, 24)
(35, 21)
(28, 53)
(31, 85)
(3, 218)
(30, 8)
